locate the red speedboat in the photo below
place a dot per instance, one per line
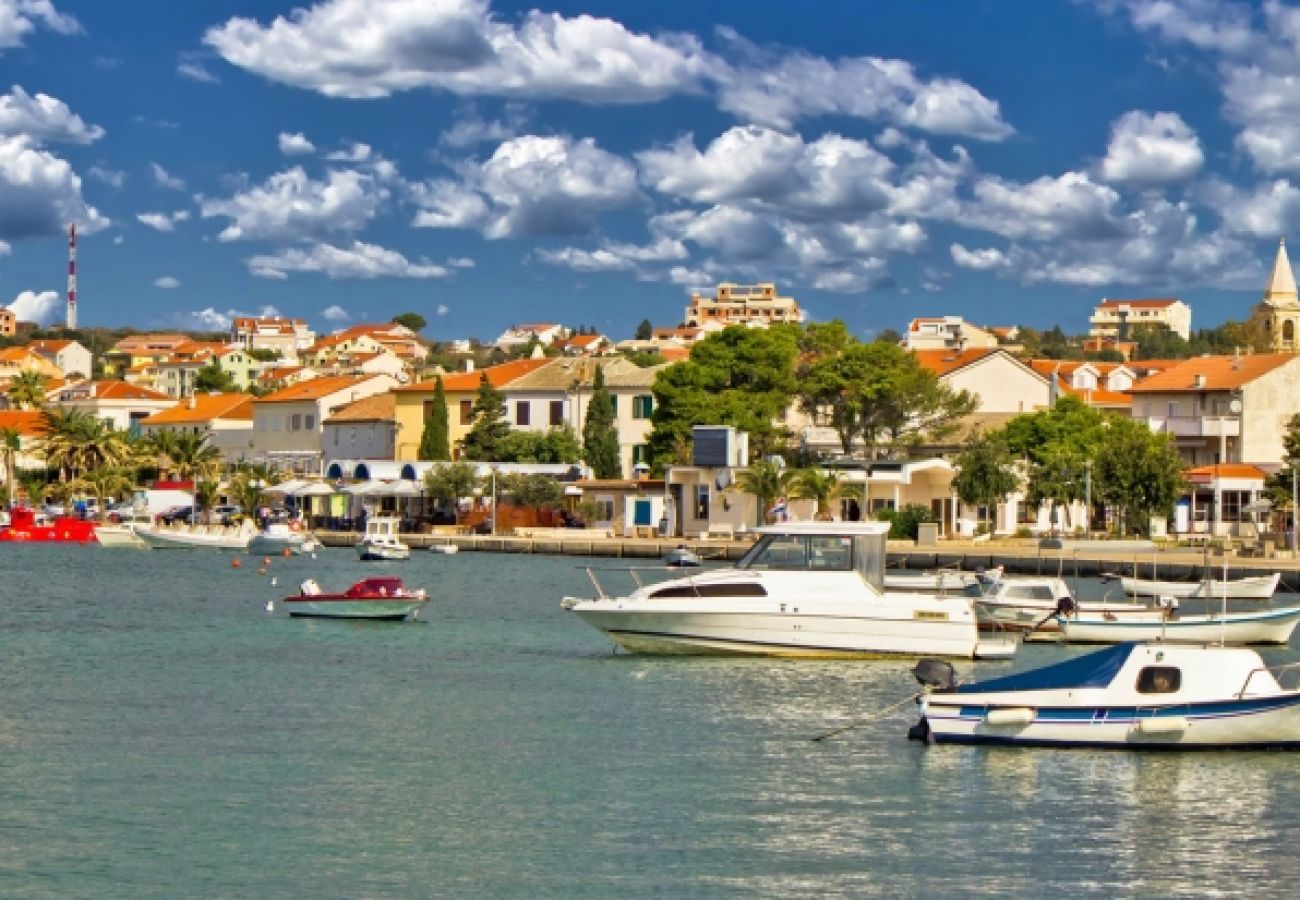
(26, 526)
(384, 597)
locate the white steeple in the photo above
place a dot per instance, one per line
(1281, 290)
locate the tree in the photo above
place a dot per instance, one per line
(205, 496)
(539, 491)
(212, 379)
(451, 482)
(103, 483)
(411, 320)
(645, 331)
(435, 442)
(600, 431)
(27, 389)
(489, 427)
(76, 442)
(820, 486)
(1139, 471)
(11, 444)
(192, 457)
(767, 480)
(986, 472)
(1057, 444)
(555, 445)
(249, 483)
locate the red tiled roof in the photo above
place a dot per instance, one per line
(314, 389)
(378, 408)
(1216, 373)
(1205, 474)
(941, 362)
(204, 408)
(121, 390)
(28, 422)
(498, 376)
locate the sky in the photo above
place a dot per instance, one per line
(492, 163)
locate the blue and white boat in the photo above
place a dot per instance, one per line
(1130, 696)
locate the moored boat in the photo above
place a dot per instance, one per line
(1270, 626)
(119, 537)
(682, 557)
(197, 537)
(380, 542)
(1254, 587)
(1131, 696)
(937, 580)
(277, 537)
(28, 526)
(805, 589)
(384, 597)
(1031, 603)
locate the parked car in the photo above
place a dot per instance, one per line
(176, 514)
(227, 513)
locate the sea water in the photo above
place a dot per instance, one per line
(162, 734)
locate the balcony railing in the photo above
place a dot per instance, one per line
(1196, 426)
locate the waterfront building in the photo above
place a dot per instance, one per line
(72, 359)
(755, 305)
(1280, 308)
(947, 333)
(119, 405)
(363, 429)
(225, 420)
(288, 424)
(277, 334)
(1117, 318)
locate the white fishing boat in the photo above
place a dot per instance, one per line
(197, 537)
(277, 537)
(119, 537)
(380, 542)
(1270, 626)
(370, 598)
(682, 557)
(1032, 603)
(1132, 696)
(446, 549)
(1255, 587)
(805, 589)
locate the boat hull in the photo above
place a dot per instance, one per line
(381, 552)
(296, 543)
(1260, 587)
(389, 609)
(1270, 627)
(119, 537)
(181, 539)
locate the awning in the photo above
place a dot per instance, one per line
(316, 489)
(292, 486)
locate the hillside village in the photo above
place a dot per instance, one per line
(356, 404)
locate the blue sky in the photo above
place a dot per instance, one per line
(491, 163)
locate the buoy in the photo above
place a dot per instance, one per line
(261, 571)
(274, 582)
(270, 606)
(286, 552)
(235, 563)
(266, 560)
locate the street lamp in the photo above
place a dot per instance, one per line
(1087, 497)
(494, 500)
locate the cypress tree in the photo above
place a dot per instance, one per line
(489, 427)
(599, 433)
(434, 441)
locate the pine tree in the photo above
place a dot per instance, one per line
(645, 330)
(599, 434)
(434, 443)
(489, 426)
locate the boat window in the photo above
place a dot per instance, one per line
(1159, 680)
(869, 550)
(741, 589)
(828, 552)
(783, 551)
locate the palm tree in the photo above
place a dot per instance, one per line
(102, 483)
(11, 444)
(248, 486)
(818, 485)
(159, 450)
(205, 494)
(193, 458)
(767, 480)
(27, 390)
(76, 442)
(34, 486)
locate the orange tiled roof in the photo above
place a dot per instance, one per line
(941, 362)
(120, 390)
(277, 373)
(1205, 474)
(674, 354)
(379, 407)
(498, 376)
(204, 408)
(1218, 373)
(15, 354)
(313, 389)
(28, 422)
(50, 345)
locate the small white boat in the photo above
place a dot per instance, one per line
(197, 537)
(682, 557)
(1255, 587)
(380, 541)
(369, 598)
(1132, 696)
(277, 537)
(1032, 603)
(1270, 626)
(938, 580)
(445, 549)
(805, 589)
(119, 537)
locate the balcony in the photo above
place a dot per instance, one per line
(1196, 426)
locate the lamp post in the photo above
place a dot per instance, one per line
(494, 500)
(1087, 497)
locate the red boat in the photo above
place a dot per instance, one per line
(25, 526)
(370, 598)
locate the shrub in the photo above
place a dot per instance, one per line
(903, 522)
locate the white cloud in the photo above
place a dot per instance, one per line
(353, 153)
(295, 144)
(473, 129)
(363, 48)
(986, 259)
(360, 260)
(43, 307)
(163, 221)
(191, 66)
(461, 262)
(616, 257)
(1151, 149)
(335, 313)
(290, 206)
(443, 309)
(163, 178)
(114, 178)
(1069, 206)
(212, 319)
(40, 194)
(167, 282)
(1267, 210)
(18, 18)
(5, 249)
(44, 119)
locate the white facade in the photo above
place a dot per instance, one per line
(1113, 318)
(947, 333)
(289, 431)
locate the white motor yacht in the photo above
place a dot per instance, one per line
(805, 589)
(277, 537)
(380, 541)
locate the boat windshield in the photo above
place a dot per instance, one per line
(820, 553)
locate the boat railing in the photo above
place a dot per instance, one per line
(1281, 674)
(634, 571)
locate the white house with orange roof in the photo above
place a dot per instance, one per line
(14, 360)
(226, 420)
(1117, 318)
(947, 333)
(394, 337)
(288, 424)
(585, 345)
(278, 334)
(120, 405)
(752, 305)
(1000, 381)
(275, 377)
(136, 349)
(1103, 385)
(73, 360)
(326, 350)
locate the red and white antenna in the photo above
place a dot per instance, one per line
(72, 275)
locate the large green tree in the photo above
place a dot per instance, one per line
(488, 425)
(449, 483)
(213, 379)
(555, 445)
(1058, 445)
(412, 320)
(600, 432)
(821, 486)
(435, 442)
(644, 331)
(75, 442)
(1138, 471)
(986, 472)
(27, 389)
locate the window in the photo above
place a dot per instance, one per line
(604, 509)
(275, 423)
(1159, 680)
(522, 413)
(640, 454)
(643, 406)
(309, 422)
(466, 412)
(613, 405)
(1173, 410)
(428, 408)
(295, 422)
(702, 502)
(557, 412)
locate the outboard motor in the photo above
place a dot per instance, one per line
(936, 674)
(1065, 606)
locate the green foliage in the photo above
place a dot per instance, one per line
(1157, 341)
(645, 331)
(27, 389)
(1138, 471)
(489, 426)
(449, 483)
(644, 360)
(11, 444)
(104, 482)
(555, 445)
(263, 354)
(249, 483)
(213, 379)
(819, 485)
(600, 433)
(986, 471)
(767, 480)
(77, 442)
(411, 320)
(1058, 444)
(903, 523)
(435, 440)
(540, 491)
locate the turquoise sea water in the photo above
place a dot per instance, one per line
(162, 735)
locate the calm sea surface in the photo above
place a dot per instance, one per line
(161, 734)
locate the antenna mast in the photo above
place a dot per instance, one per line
(72, 276)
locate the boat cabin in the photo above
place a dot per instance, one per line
(822, 547)
(380, 586)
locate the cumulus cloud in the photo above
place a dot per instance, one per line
(163, 221)
(19, 18)
(442, 309)
(165, 179)
(460, 262)
(531, 186)
(1070, 206)
(290, 206)
(471, 129)
(335, 313)
(41, 307)
(616, 257)
(167, 282)
(114, 178)
(1151, 149)
(1263, 211)
(986, 259)
(5, 249)
(295, 144)
(360, 260)
(363, 48)
(353, 153)
(212, 319)
(40, 194)
(44, 119)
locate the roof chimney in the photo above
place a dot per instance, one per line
(1199, 381)
(469, 365)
